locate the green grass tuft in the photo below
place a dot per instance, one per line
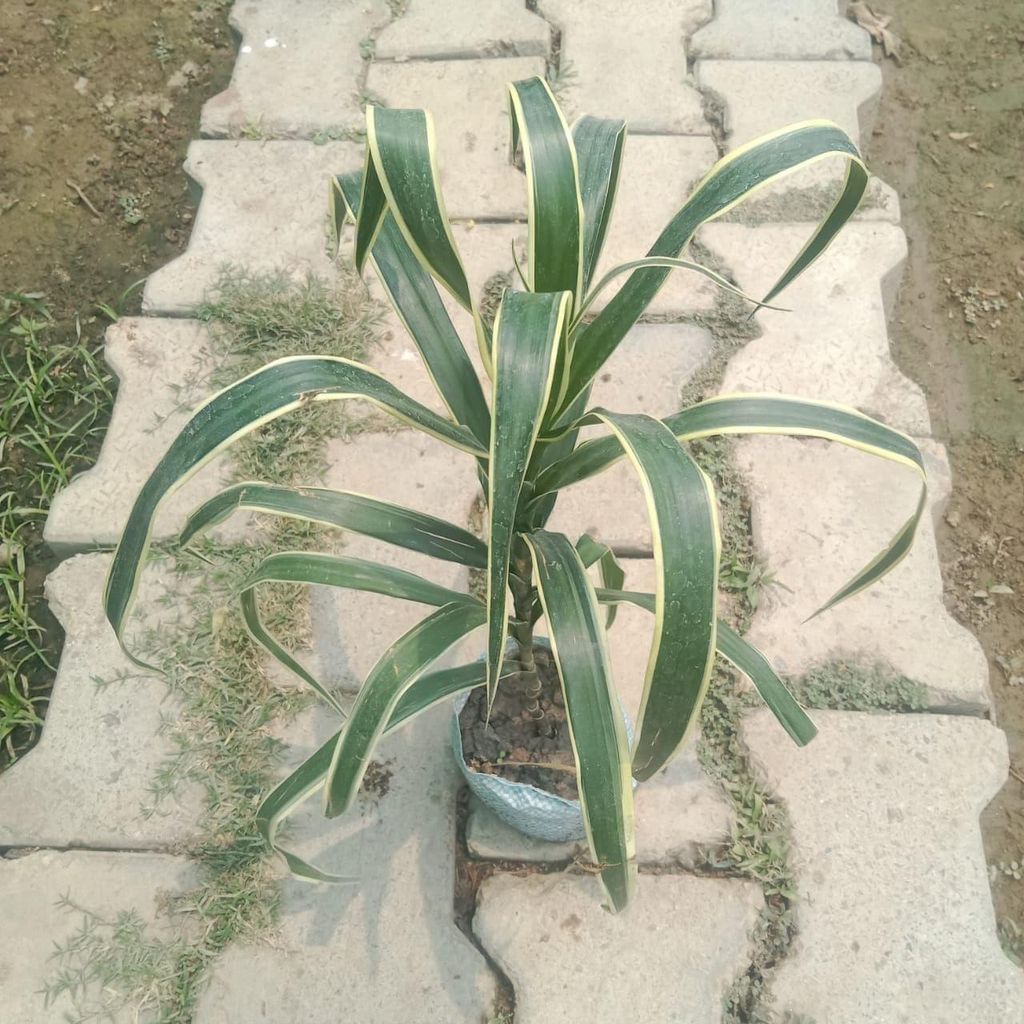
(55, 401)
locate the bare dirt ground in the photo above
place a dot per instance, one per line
(950, 139)
(104, 94)
(98, 100)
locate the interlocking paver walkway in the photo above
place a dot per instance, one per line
(893, 906)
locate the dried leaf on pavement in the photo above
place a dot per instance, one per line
(877, 25)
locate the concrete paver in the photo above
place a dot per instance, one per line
(760, 96)
(669, 957)
(894, 914)
(88, 780)
(386, 949)
(630, 62)
(163, 368)
(782, 30)
(833, 342)
(298, 67)
(820, 513)
(32, 888)
(264, 207)
(445, 29)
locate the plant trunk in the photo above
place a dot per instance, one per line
(521, 585)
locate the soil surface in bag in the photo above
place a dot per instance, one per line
(515, 745)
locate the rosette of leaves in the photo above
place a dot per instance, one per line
(541, 356)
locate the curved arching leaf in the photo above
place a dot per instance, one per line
(403, 147)
(774, 692)
(528, 331)
(304, 781)
(684, 527)
(397, 670)
(669, 263)
(341, 571)
(733, 179)
(415, 299)
(374, 206)
(613, 577)
(747, 658)
(382, 520)
(593, 712)
(553, 189)
(238, 410)
(599, 144)
(767, 414)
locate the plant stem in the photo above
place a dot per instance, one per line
(521, 585)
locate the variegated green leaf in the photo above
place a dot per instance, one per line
(613, 577)
(414, 297)
(774, 692)
(403, 147)
(593, 712)
(246, 405)
(403, 527)
(684, 527)
(747, 658)
(399, 668)
(374, 206)
(669, 263)
(528, 331)
(553, 189)
(308, 778)
(767, 414)
(599, 144)
(334, 571)
(732, 180)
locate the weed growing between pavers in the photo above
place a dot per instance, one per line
(226, 702)
(54, 407)
(259, 317)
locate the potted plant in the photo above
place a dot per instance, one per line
(541, 356)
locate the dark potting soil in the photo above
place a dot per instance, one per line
(516, 746)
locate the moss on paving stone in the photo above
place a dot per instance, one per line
(217, 675)
(842, 686)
